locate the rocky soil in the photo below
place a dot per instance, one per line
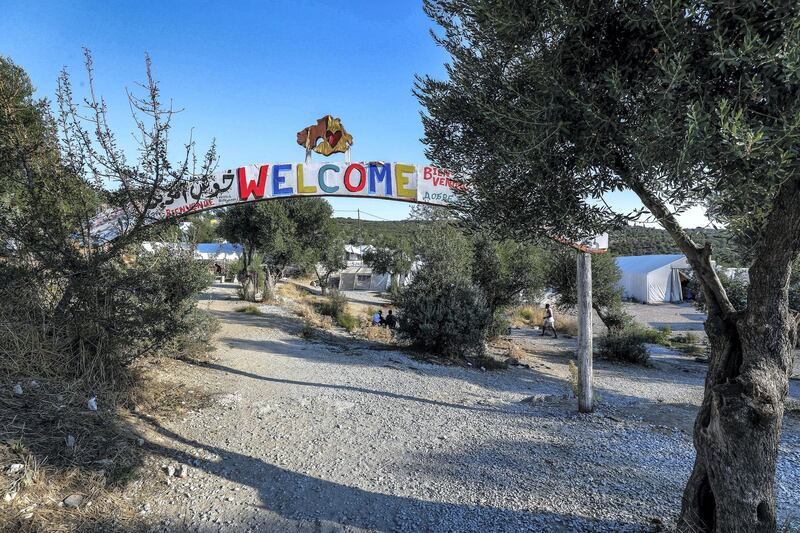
(307, 435)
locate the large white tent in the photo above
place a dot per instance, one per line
(652, 278)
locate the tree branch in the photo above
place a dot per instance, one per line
(699, 257)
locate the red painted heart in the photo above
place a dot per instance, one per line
(333, 137)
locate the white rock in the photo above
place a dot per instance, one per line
(184, 472)
(34, 384)
(170, 470)
(92, 403)
(14, 468)
(18, 389)
(73, 501)
(140, 442)
(70, 441)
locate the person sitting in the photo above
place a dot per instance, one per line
(377, 318)
(549, 321)
(391, 320)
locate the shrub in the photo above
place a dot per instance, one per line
(499, 327)
(123, 311)
(666, 330)
(686, 338)
(307, 331)
(486, 362)
(195, 341)
(646, 335)
(249, 309)
(347, 321)
(335, 304)
(527, 314)
(626, 346)
(450, 319)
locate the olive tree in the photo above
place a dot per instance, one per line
(285, 232)
(606, 292)
(394, 256)
(104, 302)
(550, 105)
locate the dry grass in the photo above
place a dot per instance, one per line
(290, 291)
(529, 316)
(573, 378)
(249, 309)
(526, 315)
(509, 349)
(35, 430)
(309, 314)
(64, 447)
(376, 334)
(102, 461)
(567, 325)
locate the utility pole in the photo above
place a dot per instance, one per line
(360, 231)
(585, 386)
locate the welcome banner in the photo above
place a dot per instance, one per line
(392, 181)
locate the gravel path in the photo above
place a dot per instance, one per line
(312, 436)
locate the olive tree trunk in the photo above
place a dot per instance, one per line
(736, 434)
(737, 430)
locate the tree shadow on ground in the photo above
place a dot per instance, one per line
(292, 501)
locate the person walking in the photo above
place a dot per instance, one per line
(549, 321)
(377, 318)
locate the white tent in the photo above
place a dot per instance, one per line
(652, 278)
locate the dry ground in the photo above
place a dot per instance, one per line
(329, 434)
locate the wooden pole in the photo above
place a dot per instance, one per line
(585, 392)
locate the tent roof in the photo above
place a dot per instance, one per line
(219, 248)
(646, 263)
(357, 270)
(357, 249)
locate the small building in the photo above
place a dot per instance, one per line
(654, 278)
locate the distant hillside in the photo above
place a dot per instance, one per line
(367, 230)
(632, 240)
(635, 240)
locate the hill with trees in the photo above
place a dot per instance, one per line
(631, 240)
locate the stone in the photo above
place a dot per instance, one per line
(70, 440)
(73, 501)
(184, 472)
(18, 389)
(14, 468)
(170, 470)
(140, 442)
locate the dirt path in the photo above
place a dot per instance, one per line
(308, 436)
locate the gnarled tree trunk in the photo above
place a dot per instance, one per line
(736, 434)
(737, 431)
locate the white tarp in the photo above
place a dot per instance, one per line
(652, 278)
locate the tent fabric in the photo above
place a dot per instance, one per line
(361, 278)
(220, 248)
(652, 278)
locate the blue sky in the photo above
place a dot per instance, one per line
(249, 75)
